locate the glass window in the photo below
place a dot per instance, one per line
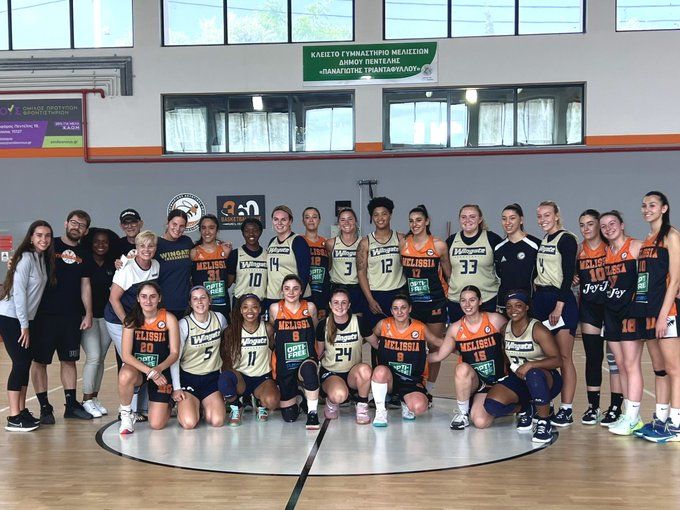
(257, 21)
(102, 23)
(647, 14)
(329, 20)
(418, 118)
(37, 24)
(482, 17)
(550, 17)
(259, 124)
(4, 36)
(325, 122)
(574, 123)
(413, 19)
(195, 124)
(459, 125)
(186, 23)
(549, 115)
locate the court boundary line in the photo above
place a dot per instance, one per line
(300, 484)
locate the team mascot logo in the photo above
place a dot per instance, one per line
(190, 204)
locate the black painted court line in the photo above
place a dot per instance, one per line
(297, 490)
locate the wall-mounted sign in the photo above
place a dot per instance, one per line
(40, 123)
(368, 64)
(233, 209)
(190, 204)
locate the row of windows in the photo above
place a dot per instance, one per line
(427, 118)
(40, 24)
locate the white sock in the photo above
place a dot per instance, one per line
(624, 407)
(464, 406)
(633, 410)
(663, 411)
(429, 386)
(312, 405)
(127, 408)
(675, 417)
(379, 393)
(566, 406)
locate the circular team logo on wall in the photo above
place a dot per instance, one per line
(190, 204)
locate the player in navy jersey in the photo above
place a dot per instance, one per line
(64, 313)
(554, 301)
(515, 256)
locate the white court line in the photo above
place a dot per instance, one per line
(54, 389)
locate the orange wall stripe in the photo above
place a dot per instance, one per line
(665, 139)
(369, 147)
(77, 152)
(126, 151)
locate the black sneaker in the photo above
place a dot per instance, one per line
(394, 402)
(543, 433)
(76, 411)
(429, 400)
(312, 421)
(47, 415)
(524, 421)
(563, 418)
(29, 417)
(591, 416)
(610, 416)
(19, 423)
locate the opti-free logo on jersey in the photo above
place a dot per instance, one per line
(233, 209)
(190, 204)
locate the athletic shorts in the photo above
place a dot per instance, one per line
(384, 299)
(252, 383)
(519, 386)
(543, 303)
(402, 386)
(356, 297)
(325, 374)
(647, 327)
(620, 329)
(320, 299)
(455, 312)
(288, 379)
(60, 333)
(430, 313)
(161, 394)
(591, 313)
(200, 386)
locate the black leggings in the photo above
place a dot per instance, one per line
(10, 329)
(594, 347)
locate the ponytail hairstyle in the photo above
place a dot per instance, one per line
(616, 215)
(596, 214)
(349, 210)
(475, 289)
(26, 246)
(422, 210)
(517, 209)
(331, 326)
(230, 345)
(135, 317)
(556, 210)
(665, 219)
(482, 225)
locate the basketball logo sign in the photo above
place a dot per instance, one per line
(190, 204)
(233, 209)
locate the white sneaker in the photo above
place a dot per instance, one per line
(626, 426)
(100, 406)
(91, 408)
(127, 422)
(380, 419)
(459, 420)
(406, 413)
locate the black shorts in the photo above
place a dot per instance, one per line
(384, 299)
(647, 327)
(288, 379)
(356, 297)
(252, 383)
(60, 333)
(200, 386)
(325, 374)
(161, 394)
(519, 386)
(543, 303)
(591, 313)
(620, 329)
(455, 312)
(430, 313)
(401, 386)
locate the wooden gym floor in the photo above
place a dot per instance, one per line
(63, 466)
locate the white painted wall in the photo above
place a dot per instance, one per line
(632, 78)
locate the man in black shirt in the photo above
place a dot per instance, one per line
(65, 311)
(131, 224)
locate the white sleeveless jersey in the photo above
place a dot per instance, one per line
(345, 352)
(384, 264)
(549, 262)
(201, 350)
(251, 274)
(280, 263)
(522, 348)
(344, 263)
(256, 356)
(472, 264)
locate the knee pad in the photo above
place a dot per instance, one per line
(310, 376)
(496, 409)
(226, 384)
(611, 362)
(290, 414)
(538, 387)
(660, 373)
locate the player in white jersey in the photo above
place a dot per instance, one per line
(339, 338)
(247, 265)
(195, 373)
(246, 352)
(534, 380)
